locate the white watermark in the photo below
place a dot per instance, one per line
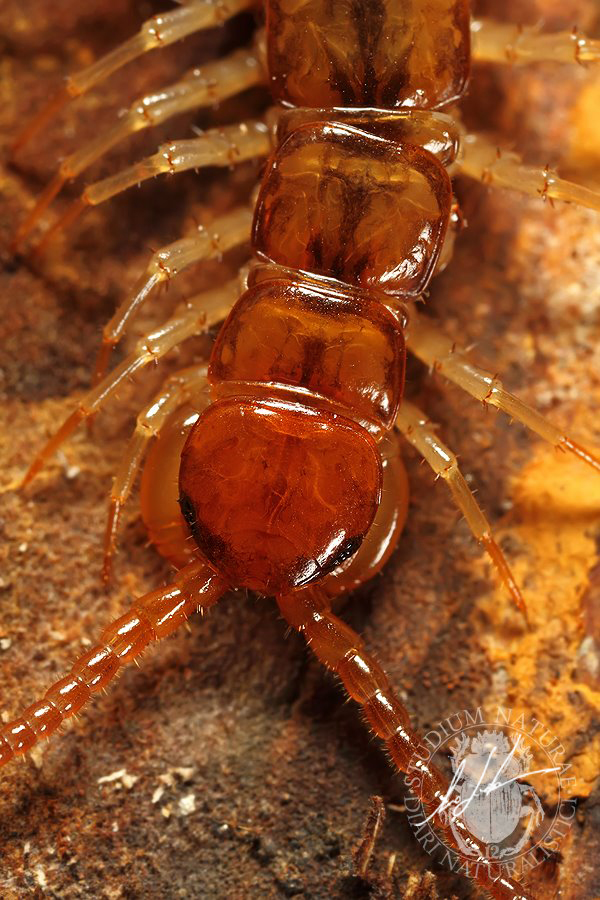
(492, 792)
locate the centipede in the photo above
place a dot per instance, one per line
(271, 462)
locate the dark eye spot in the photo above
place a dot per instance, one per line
(347, 550)
(187, 510)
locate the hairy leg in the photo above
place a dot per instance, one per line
(225, 146)
(158, 31)
(224, 233)
(342, 650)
(214, 82)
(185, 385)
(151, 618)
(419, 432)
(442, 355)
(481, 159)
(206, 309)
(521, 44)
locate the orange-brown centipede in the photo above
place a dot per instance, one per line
(347, 131)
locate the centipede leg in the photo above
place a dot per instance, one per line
(342, 650)
(200, 313)
(157, 32)
(202, 87)
(226, 146)
(499, 42)
(150, 348)
(419, 432)
(442, 355)
(150, 619)
(178, 388)
(482, 160)
(222, 235)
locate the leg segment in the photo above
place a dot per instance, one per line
(202, 87)
(342, 650)
(207, 309)
(223, 234)
(159, 31)
(151, 618)
(185, 385)
(419, 432)
(521, 44)
(159, 486)
(226, 146)
(441, 354)
(480, 158)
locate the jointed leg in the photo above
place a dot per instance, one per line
(342, 650)
(223, 234)
(151, 618)
(522, 44)
(481, 159)
(159, 31)
(419, 432)
(185, 385)
(212, 83)
(195, 320)
(442, 355)
(226, 146)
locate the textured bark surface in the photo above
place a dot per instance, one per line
(229, 766)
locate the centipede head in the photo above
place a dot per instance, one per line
(277, 494)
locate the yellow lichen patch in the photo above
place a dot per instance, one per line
(551, 532)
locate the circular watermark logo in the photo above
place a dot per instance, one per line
(494, 761)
